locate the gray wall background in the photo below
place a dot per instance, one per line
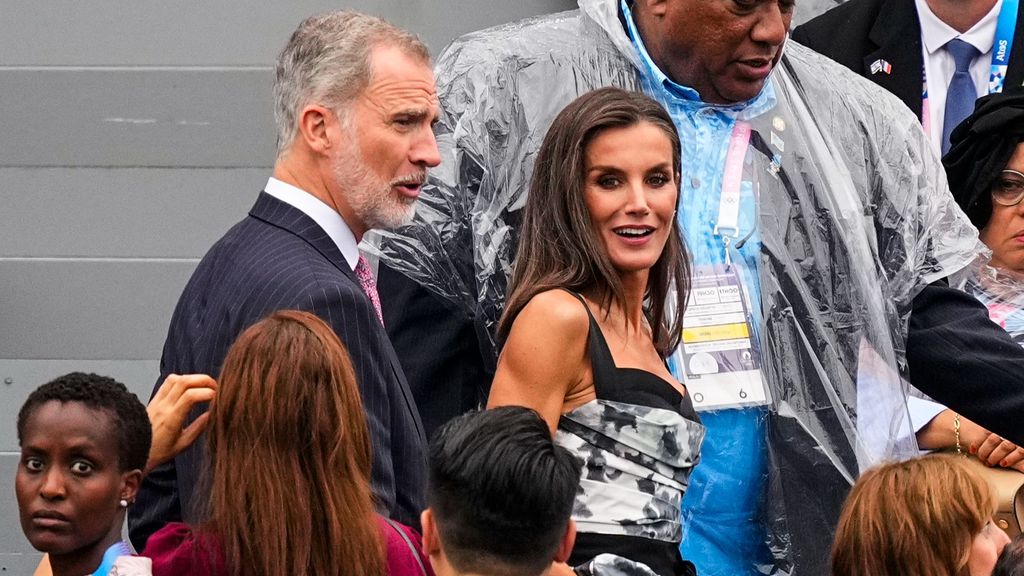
(132, 135)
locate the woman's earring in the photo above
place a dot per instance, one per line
(123, 503)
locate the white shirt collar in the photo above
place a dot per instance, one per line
(937, 33)
(325, 216)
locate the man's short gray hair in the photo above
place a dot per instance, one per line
(328, 61)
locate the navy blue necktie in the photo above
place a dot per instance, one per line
(961, 94)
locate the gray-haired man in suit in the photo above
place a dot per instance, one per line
(354, 103)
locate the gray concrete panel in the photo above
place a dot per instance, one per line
(122, 212)
(19, 557)
(18, 563)
(220, 33)
(136, 117)
(18, 378)
(88, 309)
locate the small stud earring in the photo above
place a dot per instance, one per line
(123, 503)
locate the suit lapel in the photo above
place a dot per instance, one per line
(897, 33)
(410, 401)
(284, 215)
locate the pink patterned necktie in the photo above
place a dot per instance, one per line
(369, 285)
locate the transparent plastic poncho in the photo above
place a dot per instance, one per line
(855, 224)
(1001, 291)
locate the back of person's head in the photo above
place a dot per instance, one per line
(500, 493)
(912, 518)
(127, 414)
(290, 455)
(328, 61)
(1011, 561)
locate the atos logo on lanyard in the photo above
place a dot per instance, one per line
(1002, 47)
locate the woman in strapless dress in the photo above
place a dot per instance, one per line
(589, 322)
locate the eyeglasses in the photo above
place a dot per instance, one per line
(1008, 189)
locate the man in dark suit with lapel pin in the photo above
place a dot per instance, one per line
(912, 48)
(354, 103)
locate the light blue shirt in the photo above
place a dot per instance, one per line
(115, 551)
(721, 531)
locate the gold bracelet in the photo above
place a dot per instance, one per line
(956, 434)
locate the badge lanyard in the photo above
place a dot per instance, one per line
(1006, 27)
(111, 555)
(728, 224)
(718, 356)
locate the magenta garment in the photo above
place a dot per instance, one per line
(176, 549)
(401, 559)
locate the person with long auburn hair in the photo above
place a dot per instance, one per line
(590, 320)
(288, 464)
(929, 516)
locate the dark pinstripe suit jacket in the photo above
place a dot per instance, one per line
(279, 258)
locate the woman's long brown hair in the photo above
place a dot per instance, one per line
(290, 455)
(558, 247)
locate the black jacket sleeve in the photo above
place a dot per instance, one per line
(438, 346)
(962, 359)
(155, 506)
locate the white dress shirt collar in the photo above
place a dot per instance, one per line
(325, 216)
(935, 33)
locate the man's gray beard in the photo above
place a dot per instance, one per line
(372, 199)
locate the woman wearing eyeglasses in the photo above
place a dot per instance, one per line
(985, 167)
(1004, 231)
(999, 283)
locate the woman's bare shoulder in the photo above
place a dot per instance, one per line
(558, 311)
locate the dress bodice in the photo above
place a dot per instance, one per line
(638, 441)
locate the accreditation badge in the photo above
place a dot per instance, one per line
(720, 359)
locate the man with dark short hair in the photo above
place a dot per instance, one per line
(500, 493)
(354, 103)
(821, 232)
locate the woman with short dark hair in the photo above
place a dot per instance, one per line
(84, 440)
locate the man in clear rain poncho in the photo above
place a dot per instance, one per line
(821, 231)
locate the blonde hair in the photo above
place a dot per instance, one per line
(913, 518)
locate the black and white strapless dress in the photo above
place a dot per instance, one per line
(639, 441)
